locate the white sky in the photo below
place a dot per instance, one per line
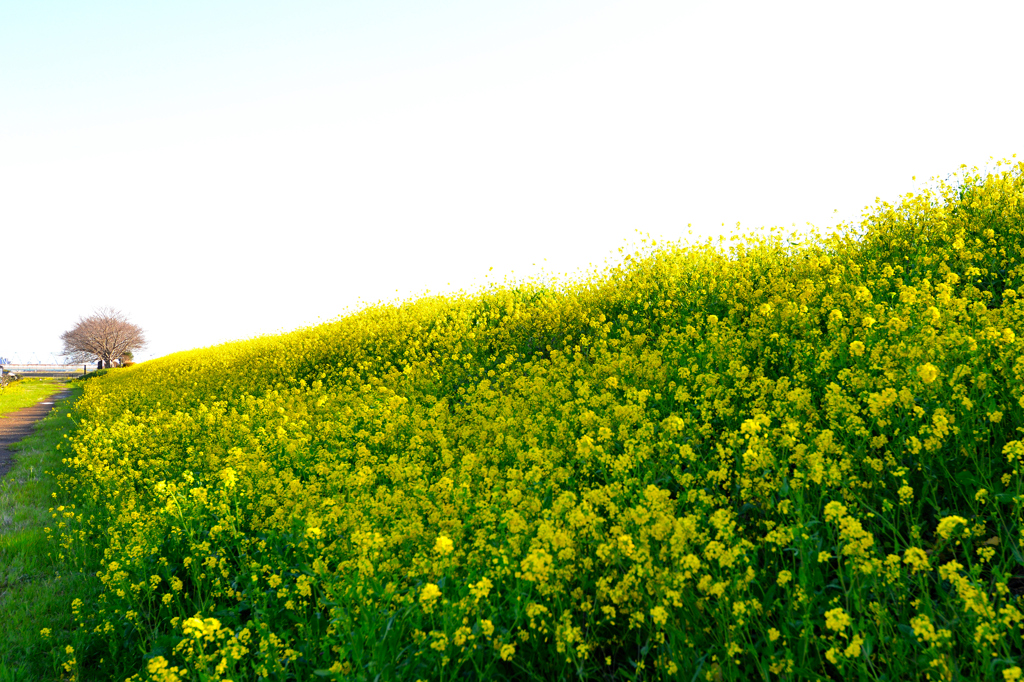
(219, 170)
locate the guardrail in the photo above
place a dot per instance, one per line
(34, 369)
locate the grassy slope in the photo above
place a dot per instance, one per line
(32, 594)
(782, 450)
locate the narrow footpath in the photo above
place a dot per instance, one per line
(18, 425)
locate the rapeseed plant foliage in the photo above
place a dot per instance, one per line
(746, 460)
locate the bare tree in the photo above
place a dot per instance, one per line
(104, 336)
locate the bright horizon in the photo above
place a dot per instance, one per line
(220, 170)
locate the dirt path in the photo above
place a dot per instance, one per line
(18, 425)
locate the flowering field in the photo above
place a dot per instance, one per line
(760, 460)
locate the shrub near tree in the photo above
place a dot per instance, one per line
(104, 337)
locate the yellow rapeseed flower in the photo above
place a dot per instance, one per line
(949, 524)
(916, 558)
(928, 372)
(837, 619)
(443, 545)
(834, 510)
(481, 588)
(606, 452)
(853, 651)
(429, 596)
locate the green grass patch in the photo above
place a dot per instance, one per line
(27, 392)
(35, 590)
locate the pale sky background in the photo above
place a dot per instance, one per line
(223, 169)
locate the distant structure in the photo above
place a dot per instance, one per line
(46, 370)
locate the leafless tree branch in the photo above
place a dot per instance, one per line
(104, 336)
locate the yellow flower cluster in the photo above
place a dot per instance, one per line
(746, 459)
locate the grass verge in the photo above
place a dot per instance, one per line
(34, 591)
(27, 392)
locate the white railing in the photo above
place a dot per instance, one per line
(39, 368)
